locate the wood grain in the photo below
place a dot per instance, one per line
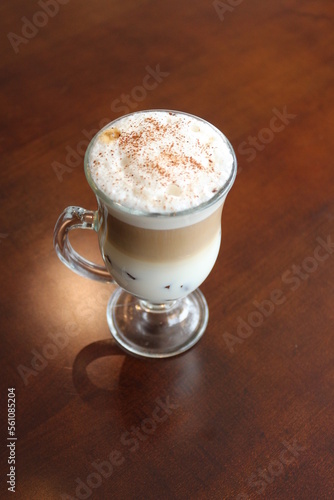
(248, 412)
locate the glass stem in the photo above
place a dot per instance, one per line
(157, 308)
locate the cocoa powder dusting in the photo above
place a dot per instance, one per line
(159, 164)
(142, 144)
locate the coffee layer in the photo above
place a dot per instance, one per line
(161, 245)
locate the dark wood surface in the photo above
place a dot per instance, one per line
(248, 412)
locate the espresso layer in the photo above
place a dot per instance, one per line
(161, 245)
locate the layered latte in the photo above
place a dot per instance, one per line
(163, 177)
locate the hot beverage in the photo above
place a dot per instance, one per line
(156, 164)
(160, 179)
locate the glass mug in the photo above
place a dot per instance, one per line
(158, 260)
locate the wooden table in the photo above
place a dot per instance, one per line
(248, 412)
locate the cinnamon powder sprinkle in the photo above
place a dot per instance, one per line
(140, 144)
(160, 161)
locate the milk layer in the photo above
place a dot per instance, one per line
(161, 281)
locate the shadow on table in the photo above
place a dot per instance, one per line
(136, 381)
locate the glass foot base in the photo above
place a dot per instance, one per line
(157, 330)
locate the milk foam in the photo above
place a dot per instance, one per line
(160, 161)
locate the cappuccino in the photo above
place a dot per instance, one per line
(163, 177)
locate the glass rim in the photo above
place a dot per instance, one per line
(221, 192)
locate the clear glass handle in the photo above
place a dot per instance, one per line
(78, 218)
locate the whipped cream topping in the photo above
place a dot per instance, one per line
(160, 161)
